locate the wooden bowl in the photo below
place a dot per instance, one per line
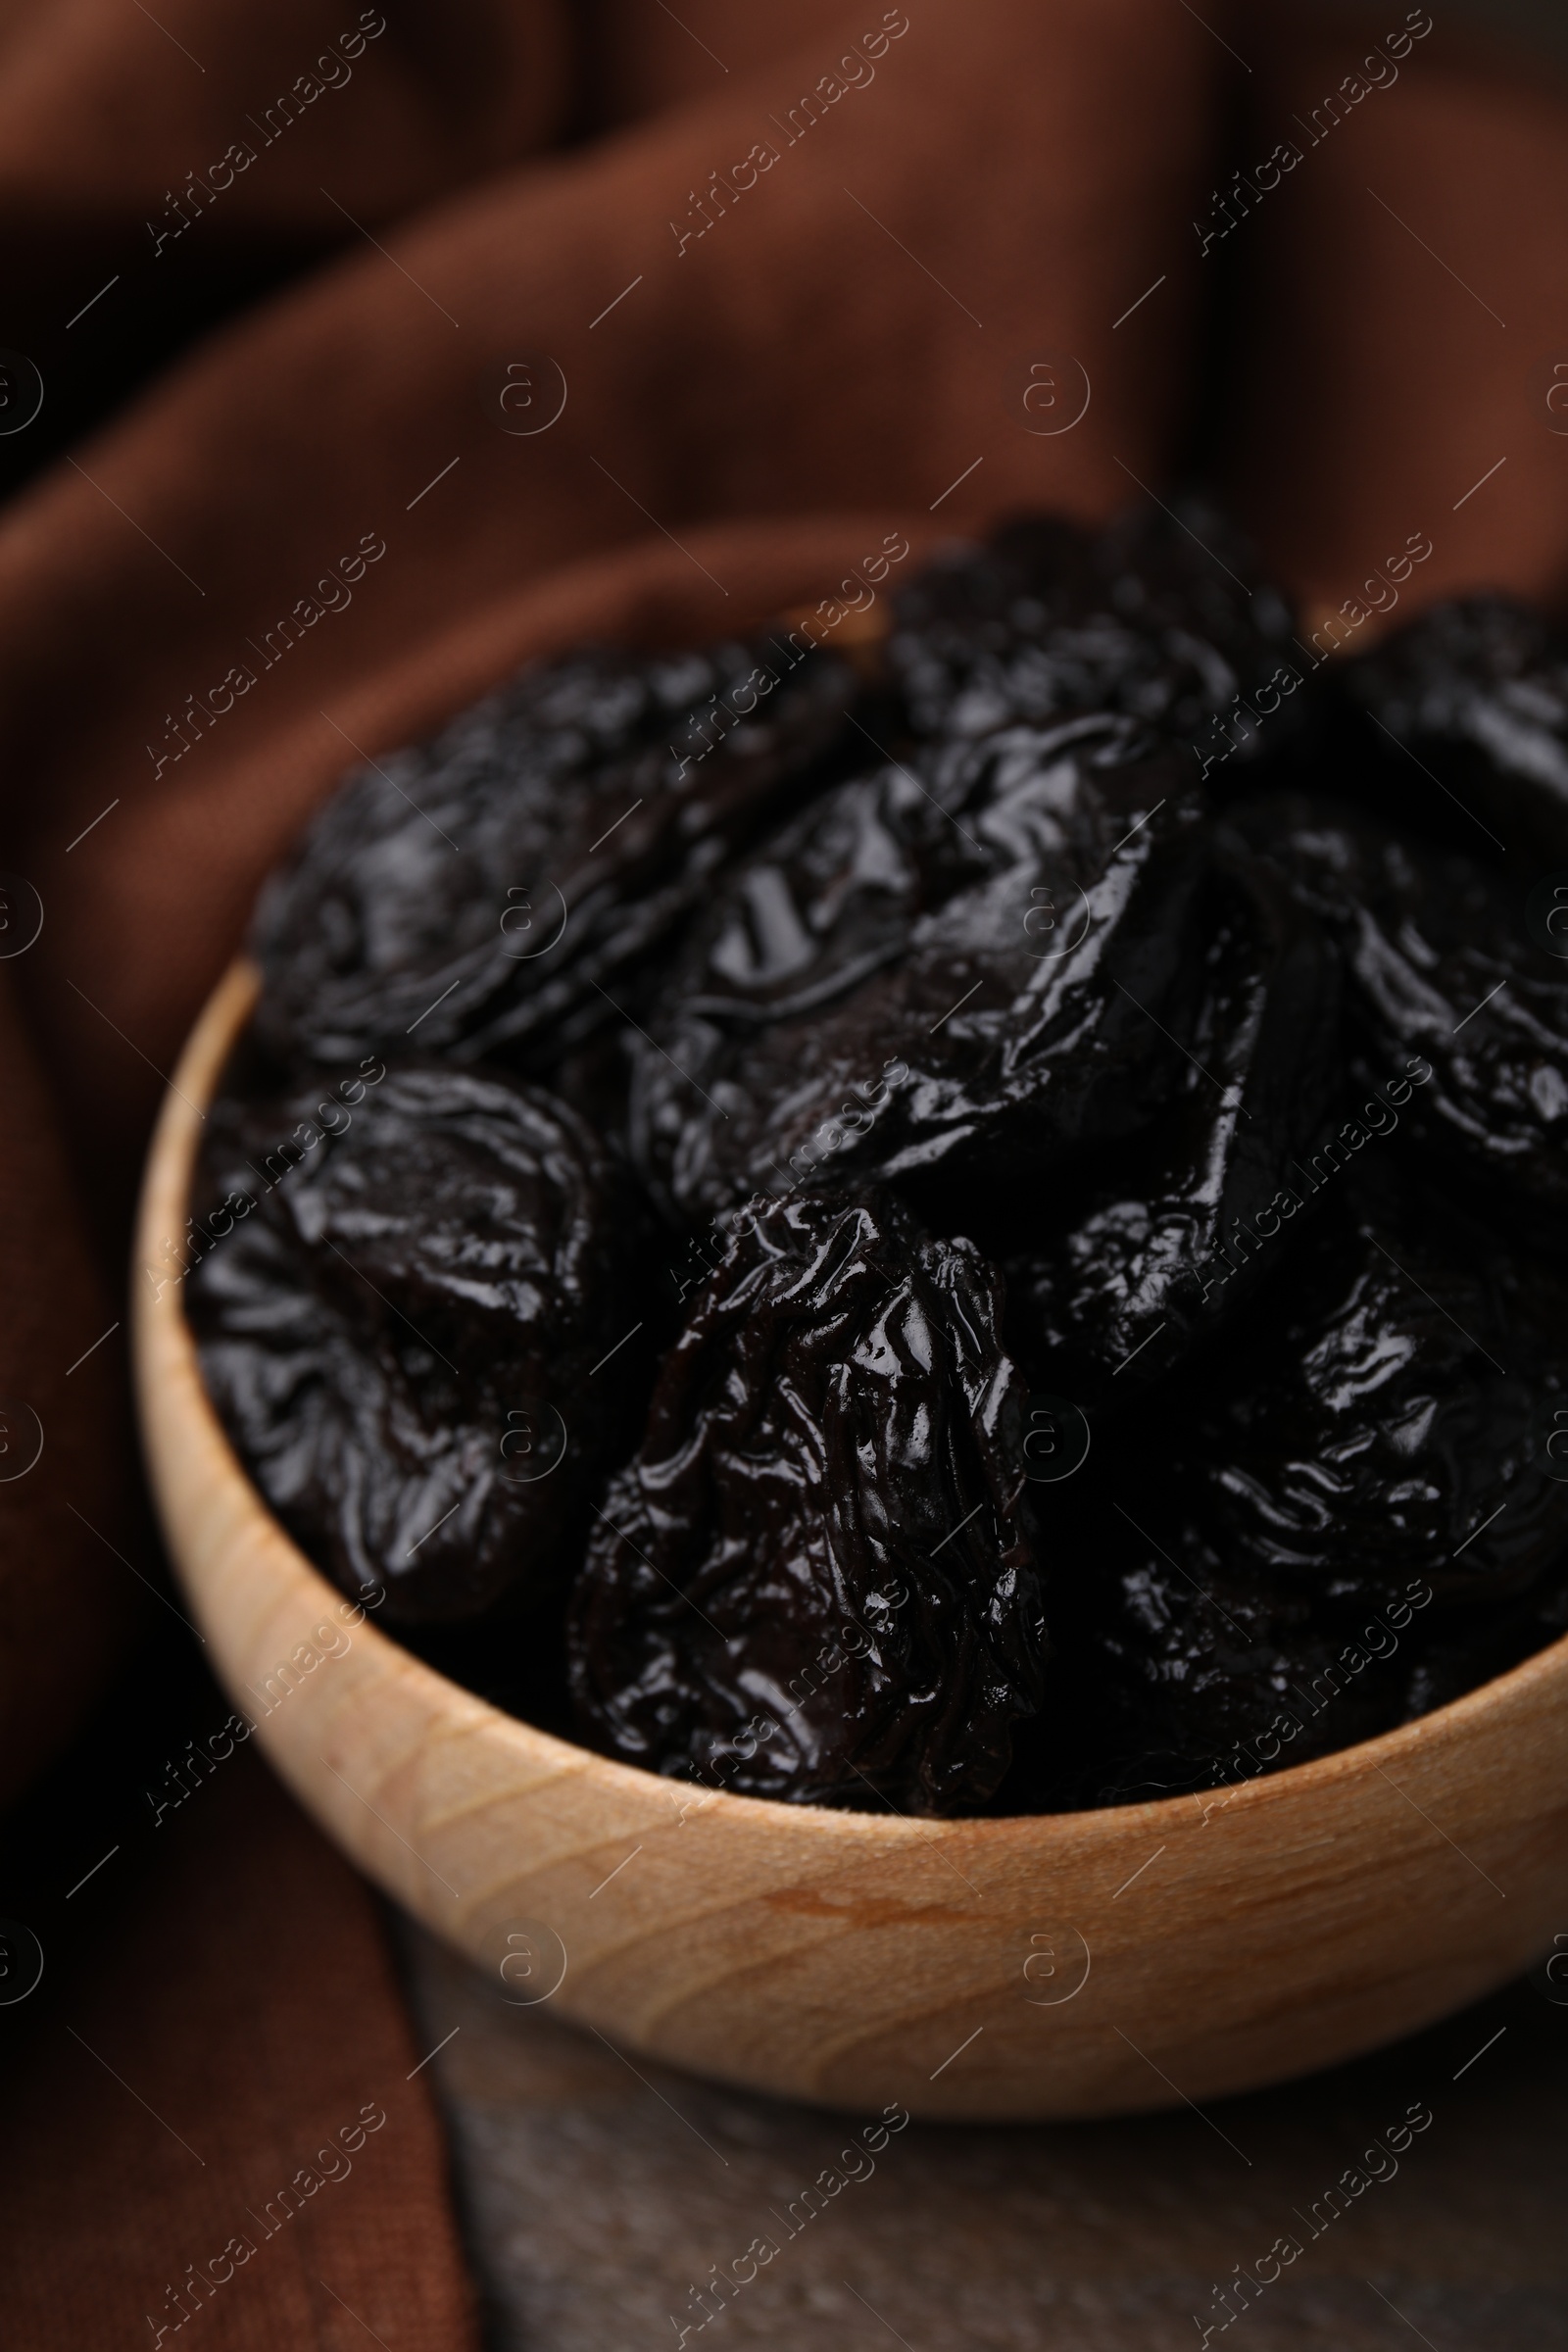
(1069, 1964)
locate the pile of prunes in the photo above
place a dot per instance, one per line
(977, 1223)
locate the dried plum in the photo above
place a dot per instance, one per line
(1463, 725)
(1186, 1228)
(1443, 978)
(815, 1580)
(1188, 1677)
(404, 1330)
(1146, 619)
(927, 1015)
(478, 894)
(1371, 1453)
(1388, 1417)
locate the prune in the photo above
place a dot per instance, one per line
(1444, 980)
(1374, 1447)
(1388, 1416)
(1463, 717)
(815, 1580)
(927, 1013)
(1188, 1675)
(1104, 1302)
(403, 1332)
(480, 892)
(1471, 1646)
(1144, 619)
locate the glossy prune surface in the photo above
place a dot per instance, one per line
(1441, 974)
(815, 1579)
(401, 1332)
(1144, 618)
(481, 894)
(991, 975)
(1464, 718)
(1386, 1418)
(1369, 1450)
(1118, 1290)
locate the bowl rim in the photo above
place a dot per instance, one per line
(160, 1322)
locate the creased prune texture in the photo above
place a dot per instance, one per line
(1385, 1418)
(1144, 618)
(483, 892)
(1373, 1441)
(1114, 1295)
(981, 968)
(815, 1579)
(400, 1335)
(1464, 726)
(1439, 968)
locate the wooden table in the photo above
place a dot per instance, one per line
(601, 2194)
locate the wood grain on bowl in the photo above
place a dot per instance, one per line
(1069, 1964)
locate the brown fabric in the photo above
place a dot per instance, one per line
(66, 1601)
(129, 138)
(1530, 32)
(1404, 311)
(233, 2033)
(797, 267)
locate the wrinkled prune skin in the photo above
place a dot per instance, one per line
(815, 1580)
(1189, 1677)
(1395, 1397)
(1463, 724)
(401, 1332)
(479, 894)
(1144, 619)
(925, 1017)
(1440, 975)
(1105, 1302)
(1471, 1646)
(1371, 1453)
